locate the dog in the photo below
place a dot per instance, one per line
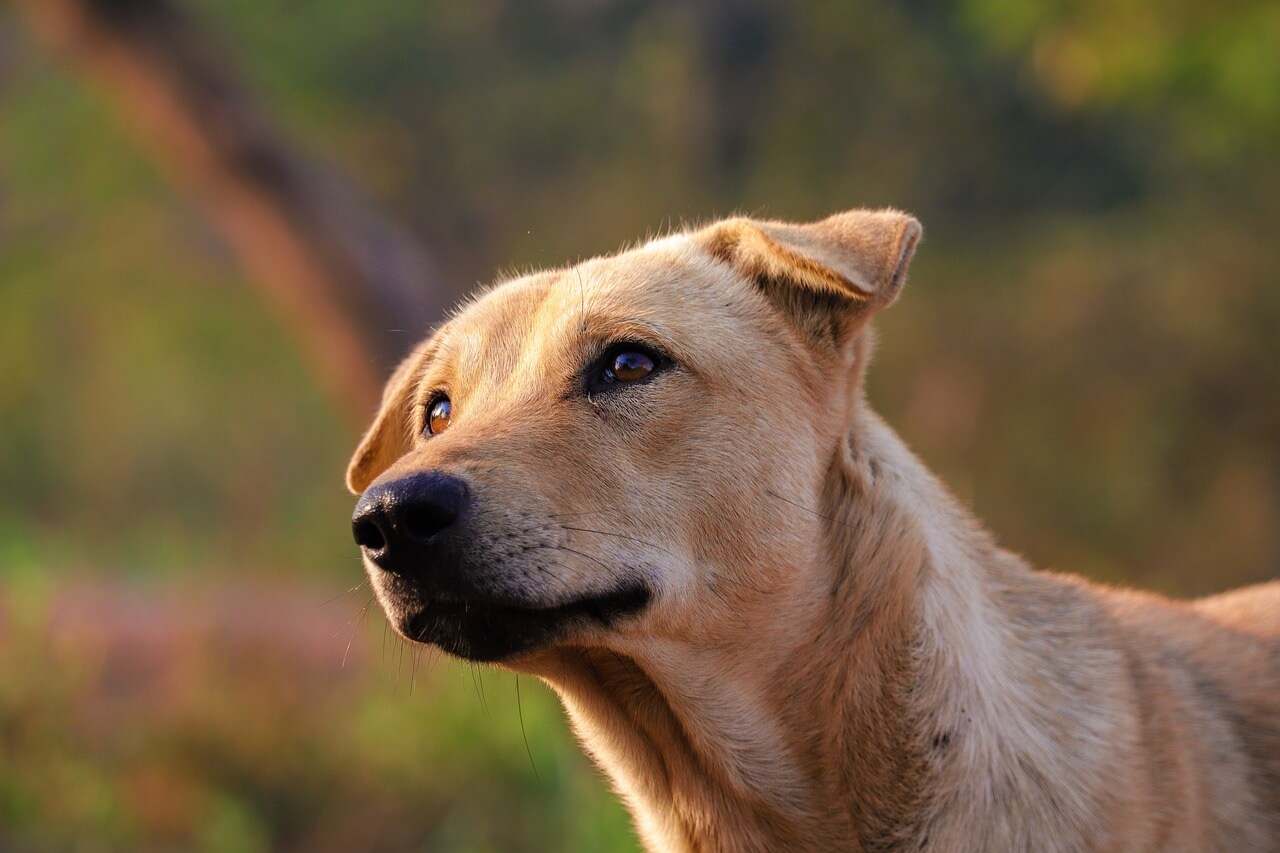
(653, 480)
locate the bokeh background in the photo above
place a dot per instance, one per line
(1088, 351)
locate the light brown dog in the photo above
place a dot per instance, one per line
(653, 480)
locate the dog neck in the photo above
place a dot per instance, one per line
(839, 726)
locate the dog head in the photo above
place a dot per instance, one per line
(629, 448)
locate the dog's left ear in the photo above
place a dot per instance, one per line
(387, 439)
(827, 277)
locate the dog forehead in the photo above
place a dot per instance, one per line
(667, 287)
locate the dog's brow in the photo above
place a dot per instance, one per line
(435, 353)
(606, 330)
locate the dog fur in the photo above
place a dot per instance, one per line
(835, 654)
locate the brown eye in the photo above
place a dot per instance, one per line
(629, 366)
(439, 415)
(625, 364)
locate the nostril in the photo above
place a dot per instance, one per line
(368, 535)
(399, 524)
(422, 521)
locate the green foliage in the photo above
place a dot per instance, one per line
(1207, 72)
(1088, 350)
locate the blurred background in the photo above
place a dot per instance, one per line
(1088, 350)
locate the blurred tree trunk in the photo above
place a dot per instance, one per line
(342, 276)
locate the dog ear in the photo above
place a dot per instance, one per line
(828, 277)
(388, 438)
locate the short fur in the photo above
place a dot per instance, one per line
(836, 656)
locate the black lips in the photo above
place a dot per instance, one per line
(486, 632)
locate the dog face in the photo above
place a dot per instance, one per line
(626, 449)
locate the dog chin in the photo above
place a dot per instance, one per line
(486, 631)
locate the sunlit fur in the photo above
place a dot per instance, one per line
(838, 656)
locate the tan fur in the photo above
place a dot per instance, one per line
(838, 656)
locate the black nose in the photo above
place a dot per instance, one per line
(397, 524)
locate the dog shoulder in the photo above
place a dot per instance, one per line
(1207, 674)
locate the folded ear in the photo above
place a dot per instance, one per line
(828, 277)
(388, 438)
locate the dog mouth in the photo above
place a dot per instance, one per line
(491, 631)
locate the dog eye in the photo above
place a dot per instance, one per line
(439, 414)
(628, 366)
(625, 363)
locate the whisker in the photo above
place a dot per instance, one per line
(345, 594)
(772, 494)
(569, 551)
(591, 663)
(399, 663)
(433, 657)
(715, 589)
(524, 734)
(622, 665)
(736, 581)
(471, 667)
(483, 701)
(588, 512)
(354, 617)
(618, 536)
(413, 671)
(359, 621)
